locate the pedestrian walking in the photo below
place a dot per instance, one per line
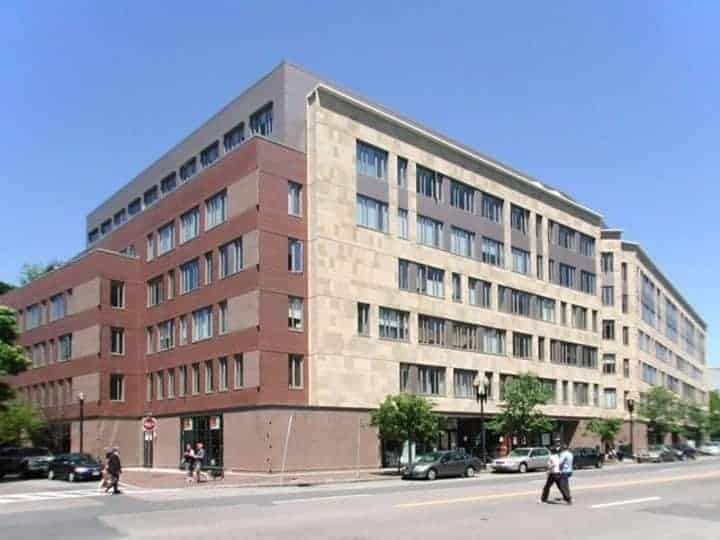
(554, 477)
(105, 475)
(114, 468)
(566, 470)
(189, 462)
(199, 459)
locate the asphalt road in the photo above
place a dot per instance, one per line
(679, 501)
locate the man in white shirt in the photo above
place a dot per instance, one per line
(566, 469)
(554, 477)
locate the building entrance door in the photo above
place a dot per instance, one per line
(147, 449)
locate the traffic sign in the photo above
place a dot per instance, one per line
(149, 423)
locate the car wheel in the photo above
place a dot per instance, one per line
(523, 468)
(71, 477)
(470, 471)
(432, 474)
(599, 464)
(51, 475)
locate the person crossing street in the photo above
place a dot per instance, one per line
(554, 477)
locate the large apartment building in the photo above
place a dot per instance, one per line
(306, 252)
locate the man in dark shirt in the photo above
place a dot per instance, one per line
(114, 468)
(199, 459)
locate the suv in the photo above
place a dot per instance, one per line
(586, 457)
(24, 461)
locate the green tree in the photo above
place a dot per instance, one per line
(12, 357)
(697, 422)
(520, 414)
(713, 420)
(5, 287)
(19, 422)
(407, 417)
(30, 272)
(606, 428)
(662, 412)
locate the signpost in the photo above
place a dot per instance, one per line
(149, 423)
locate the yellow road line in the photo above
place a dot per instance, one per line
(496, 496)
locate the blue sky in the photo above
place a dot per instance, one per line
(615, 103)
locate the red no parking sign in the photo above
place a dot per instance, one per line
(149, 423)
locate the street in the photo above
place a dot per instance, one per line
(669, 500)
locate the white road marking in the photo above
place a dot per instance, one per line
(630, 501)
(316, 499)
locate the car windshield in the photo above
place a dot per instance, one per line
(520, 452)
(429, 458)
(83, 459)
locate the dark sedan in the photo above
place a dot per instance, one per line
(442, 464)
(586, 457)
(684, 452)
(74, 467)
(24, 461)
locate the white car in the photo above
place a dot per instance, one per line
(523, 460)
(710, 449)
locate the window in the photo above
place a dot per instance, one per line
(117, 294)
(295, 255)
(150, 247)
(363, 319)
(403, 275)
(166, 238)
(215, 210)
(492, 340)
(182, 381)
(594, 320)
(294, 198)
(538, 228)
(606, 263)
(223, 317)
(462, 196)
(32, 317)
(463, 383)
(117, 387)
(231, 258)
(234, 137)
(402, 230)
(183, 330)
(295, 371)
(151, 196)
(608, 296)
(462, 242)
(579, 318)
(456, 288)
(581, 393)
(492, 252)
(195, 378)
(563, 313)
(202, 324)
(190, 276)
(295, 313)
(587, 245)
(238, 371)
(189, 225)
(431, 281)
(565, 393)
(626, 368)
(394, 324)
(431, 380)
(566, 273)
(117, 341)
(222, 374)
(626, 335)
(166, 335)
(58, 307)
(566, 237)
(372, 214)
(647, 298)
(572, 354)
(539, 267)
(519, 218)
(154, 292)
(609, 329)
(135, 206)
(609, 398)
(94, 235)
(429, 232)
(210, 154)
(431, 330)
(261, 121)
(428, 183)
(371, 161)
(64, 347)
(120, 217)
(541, 349)
(129, 251)
(209, 377)
(520, 261)
(150, 340)
(159, 385)
(168, 183)
(402, 166)
(479, 292)
(608, 365)
(171, 384)
(587, 282)
(491, 208)
(188, 169)
(170, 284)
(596, 395)
(208, 268)
(522, 345)
(106, 227)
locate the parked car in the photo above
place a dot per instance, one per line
(74, 467)
(684, 451)
(710, 449)
(656, 453)
(523, 460)
(587, 457)
(442, 464)
(24, 461)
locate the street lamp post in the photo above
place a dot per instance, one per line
(631, 409)
(481, 385)
(81, 397)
